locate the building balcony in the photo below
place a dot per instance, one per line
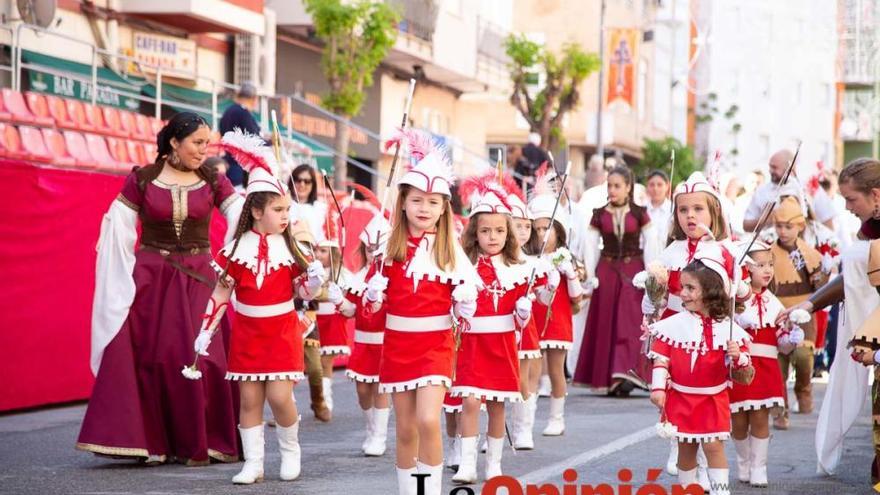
(202, 16)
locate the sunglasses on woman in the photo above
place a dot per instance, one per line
(303, 180)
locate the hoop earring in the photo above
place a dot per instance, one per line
(876, 214)
(174, 161)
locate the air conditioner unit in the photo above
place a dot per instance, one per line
(255, 57)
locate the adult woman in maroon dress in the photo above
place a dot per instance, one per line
(611, 337)
(147, 311)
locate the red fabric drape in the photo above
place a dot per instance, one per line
(50, 223)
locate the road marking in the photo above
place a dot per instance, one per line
(555, 470)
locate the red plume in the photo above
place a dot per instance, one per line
(366, 193)
(482, 184)
(512, 187)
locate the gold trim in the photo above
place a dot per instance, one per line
(220, 456)
(161, 185)
(179, 208)
(115, 451)
(228, 202)
(122, 199)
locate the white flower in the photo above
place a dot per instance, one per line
(665, 430)
(191, 372)
(640, 279)
(464, 292)
(799, 317)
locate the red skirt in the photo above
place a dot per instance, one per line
(451, 404)
(530, 345)
(767, 390)
(555, 331)
(363, 365)
(412, 359)
(697, 417)
(487, 367)
(266, 348)
(332, 332)
(821, 319)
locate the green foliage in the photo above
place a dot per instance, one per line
(563, 74)
(656, 154)
(357, 36)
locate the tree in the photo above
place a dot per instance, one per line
(656, 154)
(707, 112)
(562, 75)
(356, 36)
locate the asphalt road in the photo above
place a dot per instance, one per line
(603, 436)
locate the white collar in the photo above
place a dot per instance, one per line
(510, 276)
(248, 249)
(750, 319)
(685, 330)
(422, 266)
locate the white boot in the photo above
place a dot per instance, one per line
(328, 391)
(376, 446)
(544, 386)
(672, 460)
(406, 482)
(687, 478)
(288, 444)
(368, 420)
(254, 450)
(467, 466)
(453, 459)
(434, 482)
(493, 457)
(758, 467)
(743, 461)
(484, 446)
(720, 481)
(702, 470)
(522, 436)
(556, 424)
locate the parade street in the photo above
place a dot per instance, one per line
(603, 436)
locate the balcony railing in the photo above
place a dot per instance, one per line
(418, 17)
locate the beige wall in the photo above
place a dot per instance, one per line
(553, 19)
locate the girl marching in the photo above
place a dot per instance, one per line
(523, 412)
(264, 266)
(693, 352)
(431, 285)
(363, 365)
(554, 306)
(751, 404)
(487, 363)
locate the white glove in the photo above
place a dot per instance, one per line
(316, 276)
(334, 294)
(466, 309)
(202, 342)
(796, 336)
(647, 306)
(376, 286)
(553, 279)
(567, 268)
(523, 308)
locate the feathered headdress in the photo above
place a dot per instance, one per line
(544, 180)
(251, 152)
(484, 194)
(330, 230)
(431, 172)
(814, 183)
(543, 202)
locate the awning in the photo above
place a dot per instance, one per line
(68, 79)
(185, 99)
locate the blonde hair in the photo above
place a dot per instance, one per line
(510, 251)
(718, 227)
(444, 240)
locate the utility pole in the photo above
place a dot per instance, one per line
(600, 147)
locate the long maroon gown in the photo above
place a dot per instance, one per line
(611, 345)
(141, 406)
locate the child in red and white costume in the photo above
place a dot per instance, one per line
(487, 364)
(266, 349)
(530, 358)
(698, 221)
(363, 365)
(430, 282)
(553, 307)
(691, 352)
(334, 309)
(751, 404)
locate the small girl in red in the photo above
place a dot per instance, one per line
(751, 404)
(266, 348)
(487, 364)
(334, 309)
(431, 286)
(363, 365)
(553, 308)
(690, 380)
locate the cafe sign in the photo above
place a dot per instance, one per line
(167, 52)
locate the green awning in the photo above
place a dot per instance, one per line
(185, 99)
(71, 79)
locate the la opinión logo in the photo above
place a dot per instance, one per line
(508, 485)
